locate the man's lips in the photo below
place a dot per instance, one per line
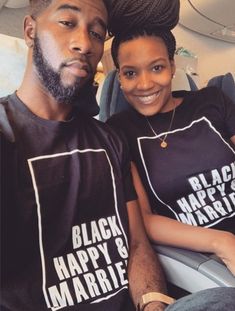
(78, 68)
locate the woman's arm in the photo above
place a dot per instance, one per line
(233, 139)
(164, 230)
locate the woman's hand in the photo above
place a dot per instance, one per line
(224, 248)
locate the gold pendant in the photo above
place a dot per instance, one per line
(163, 144)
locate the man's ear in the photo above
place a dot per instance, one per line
(29, 30)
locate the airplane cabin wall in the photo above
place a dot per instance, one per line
(215, 57)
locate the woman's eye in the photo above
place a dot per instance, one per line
(158, 68)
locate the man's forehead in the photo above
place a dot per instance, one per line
(95, 4)
(94, 10)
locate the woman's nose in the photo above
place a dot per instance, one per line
(145, 81)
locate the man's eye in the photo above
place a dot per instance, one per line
(97, 35)
(67, 23)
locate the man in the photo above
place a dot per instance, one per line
(71, 234)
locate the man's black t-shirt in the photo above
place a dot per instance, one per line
(193, 179)
(64, 223)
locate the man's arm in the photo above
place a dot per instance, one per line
(144, 270)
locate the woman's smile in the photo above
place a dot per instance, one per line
(148, 99)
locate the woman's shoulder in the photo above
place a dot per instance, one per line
(215, 95)
(205, 91)
(211, 91)
(211, 94)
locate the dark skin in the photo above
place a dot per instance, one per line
(145, 73)
(71, 35)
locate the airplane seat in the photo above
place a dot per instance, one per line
(110, 97)
(13, 54)
(187, 270)
(226, 83)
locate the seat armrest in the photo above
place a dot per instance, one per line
(193, 271)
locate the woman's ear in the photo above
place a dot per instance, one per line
(118, 74)
(173, 68)
(119, 78)
(29, 30)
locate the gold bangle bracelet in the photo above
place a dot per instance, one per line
(152, 297)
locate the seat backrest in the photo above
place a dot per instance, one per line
(111, 99)
(226, 83)
(13, 54)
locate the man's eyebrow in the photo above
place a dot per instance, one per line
(101, 22)
(68, 7)
(77, 9)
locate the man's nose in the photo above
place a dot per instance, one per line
(81, 41)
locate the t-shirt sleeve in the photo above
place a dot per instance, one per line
(124, 154)
(229, 107)
(130, 193)
(220, 109)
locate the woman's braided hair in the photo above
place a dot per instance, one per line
(134, 18)
(128, 14)
(165, 34)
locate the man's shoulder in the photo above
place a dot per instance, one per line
(5, 127)
(105, 128)
(96, 128)
(120, 116)
(122, 120)
(4, 100)
(107, 133)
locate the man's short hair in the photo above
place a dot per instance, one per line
(37, 6)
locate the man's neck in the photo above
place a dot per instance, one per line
(41, 103)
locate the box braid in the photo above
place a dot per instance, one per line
(165, 34)
(128, 14)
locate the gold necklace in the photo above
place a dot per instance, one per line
(163, 143)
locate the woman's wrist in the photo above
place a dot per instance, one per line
(220, 240)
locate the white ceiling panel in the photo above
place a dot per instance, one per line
(214, 18)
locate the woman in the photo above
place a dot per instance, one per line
(182, 147)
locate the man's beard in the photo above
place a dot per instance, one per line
(51, 79)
